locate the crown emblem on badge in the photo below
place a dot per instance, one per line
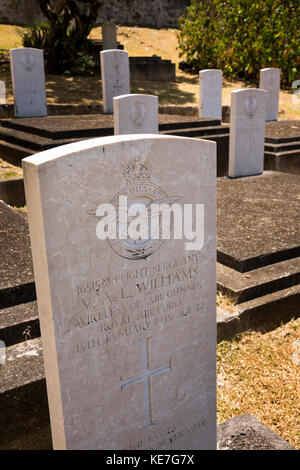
(137, 171)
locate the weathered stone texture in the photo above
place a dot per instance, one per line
(129, 12)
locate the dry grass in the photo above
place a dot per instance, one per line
(226, 301)
(137, 41)
(10, 36)
(8, 171)
(259, 374)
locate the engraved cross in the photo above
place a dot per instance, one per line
(145, 377)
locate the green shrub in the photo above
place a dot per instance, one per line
(74, 61)
(35, 36)
(241, 37)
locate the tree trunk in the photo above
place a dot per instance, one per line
(70, 23)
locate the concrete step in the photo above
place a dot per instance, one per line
(17, 281)
(199, 131)
(258, 282)
(12, 192)
(62, 127)
(257, 261)
(14, 153)
(284, 147)
(287, 162)
(282, 140)
(190, 124)
(19, 323)
(287, 154)
(25, 422)
(23, 126)
(29, 141)
(260, 314)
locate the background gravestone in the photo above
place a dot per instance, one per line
(109, 36)
(247, 132)
(269, 80)
(28, 78)
(128, 328)
(114, 75)
(2, 92)
(210, 94)
(136, 114)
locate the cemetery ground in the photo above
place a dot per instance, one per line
(137, 41)
(86, 90)
(258, 372)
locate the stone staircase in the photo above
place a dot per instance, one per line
(282, 154)
(23, 137)
(258, 251)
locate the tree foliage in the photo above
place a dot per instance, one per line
(64, 36)
(242, 36)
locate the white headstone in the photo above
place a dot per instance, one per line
(247, 132)
(28, 78)
(114, 76)
(210, 94)
(2, 353)
(2, 92)
(136, 114)
(269, 81)
(109, 36)
(128, 325)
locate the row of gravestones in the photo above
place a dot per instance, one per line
(129, 353)
(138, 114)
(210, 99)
(28, 77)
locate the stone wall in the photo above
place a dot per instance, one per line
(20, 12)
(154, 13)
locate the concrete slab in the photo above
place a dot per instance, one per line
(257, 282)
(62, 127)
(16, 281)
(25, 422)
(282, 146)
(282, 131)
(12, 192)
(19, 323)
(260, 314)
(245, 432)
(22, 137)
(258, 220)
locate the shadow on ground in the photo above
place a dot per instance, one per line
(88, 90)
(168, 93)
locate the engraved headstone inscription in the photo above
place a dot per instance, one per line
(136, 114)
(128, 323)
(210, 94)
(247, 132)
(114, 76)
(28, 79)
(269, 81)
